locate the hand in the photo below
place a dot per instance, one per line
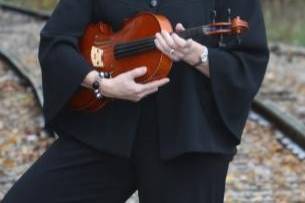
(123, 86)
(186, 50)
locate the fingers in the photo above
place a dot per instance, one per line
(178, 40)
(165, 43)
(162, 44)
(142, 90)
(173, 45)
(189, 43)
(166, 51)
(176, 55)
(181, 43)
(151, 85)
(179, 27)
(137, 72)
(168, 40)
(155, 84)
(147, 92)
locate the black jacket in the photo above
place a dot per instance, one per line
(195, 113)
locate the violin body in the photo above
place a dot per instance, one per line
(97, 47)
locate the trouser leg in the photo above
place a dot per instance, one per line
(71, 172)
(193, 177)
(190, 178)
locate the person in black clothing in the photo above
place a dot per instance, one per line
(171, 139)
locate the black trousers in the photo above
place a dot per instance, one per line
(72, 172)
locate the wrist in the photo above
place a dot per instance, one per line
(202, 57)
(98, 84)
(105, 85)
(89, 79)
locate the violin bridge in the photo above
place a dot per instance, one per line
(97, 55)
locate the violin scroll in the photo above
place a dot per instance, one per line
(235, 26)
(239, 26)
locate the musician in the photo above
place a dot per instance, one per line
(171, 139)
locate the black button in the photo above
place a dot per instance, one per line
(153, 3)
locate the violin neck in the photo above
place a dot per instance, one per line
(131, 48)
(194, 31)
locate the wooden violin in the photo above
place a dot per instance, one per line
(133, 46)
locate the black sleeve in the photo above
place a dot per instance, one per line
(237, 71)
(63, 68)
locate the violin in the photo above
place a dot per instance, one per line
(133, 46)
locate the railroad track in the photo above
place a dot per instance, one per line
(31, 12)
(21, 33)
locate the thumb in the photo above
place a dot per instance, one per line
(179, 27)
(137, 72)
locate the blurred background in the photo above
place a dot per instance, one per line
(270, 164)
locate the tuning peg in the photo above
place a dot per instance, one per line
(221, 41)
(214, 15)
(229, 11)
(238, 39)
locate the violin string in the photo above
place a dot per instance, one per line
(132, 53)
(134, 49)
(120, 48)
(133, 46)
(134, 43)
(129, 48)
